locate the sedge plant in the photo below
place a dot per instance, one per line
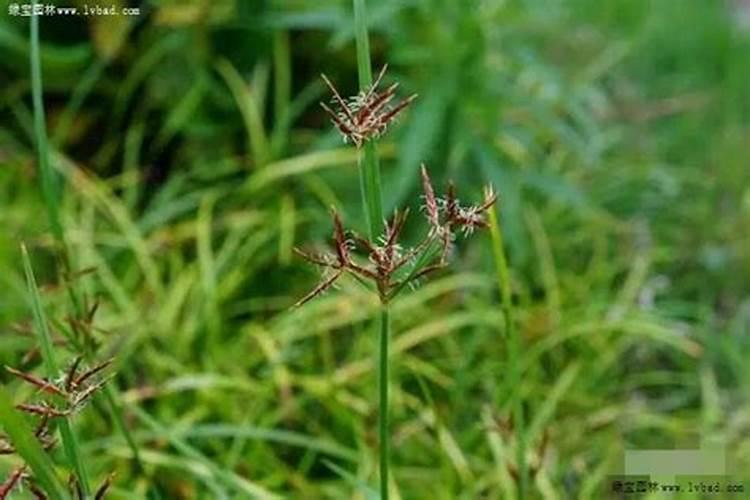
(380, 260)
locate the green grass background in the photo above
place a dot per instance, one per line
(192, 156)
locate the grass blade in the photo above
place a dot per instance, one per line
(282, 68)
(370, 494)
(371, 187)
(364, 66)
(49, 181)
(250, 107)
(228, 477)
(514, 348)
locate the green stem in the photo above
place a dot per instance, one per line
(369, 165)
(49, 182)
(514, 350)
(383, 382)
(369, 179)
(372, 199)
(364, 66)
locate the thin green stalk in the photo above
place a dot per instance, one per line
(70, 443)
(369, 171)
(383, 381)
(364, 66)
(51, 201)
(514, 350)
(369, 165)
(50, 188)
(49, 181)
(372, 199)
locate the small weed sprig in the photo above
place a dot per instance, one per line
(381, 261)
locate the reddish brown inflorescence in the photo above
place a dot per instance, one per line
(75, 389)
(367, 114)
(70, 393)
(388, 266)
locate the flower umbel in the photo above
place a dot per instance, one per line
(75, 389)
(367, 114)
(71, 392)
(388, 265)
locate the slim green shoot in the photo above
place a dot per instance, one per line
(514, 348)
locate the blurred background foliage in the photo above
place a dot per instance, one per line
(194, 157)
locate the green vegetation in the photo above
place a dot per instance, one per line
(606, 308)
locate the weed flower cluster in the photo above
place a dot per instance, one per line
(74, 389)
(389, 266)
(367, 114)
(63, 398)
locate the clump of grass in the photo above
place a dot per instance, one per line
(380, 261)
